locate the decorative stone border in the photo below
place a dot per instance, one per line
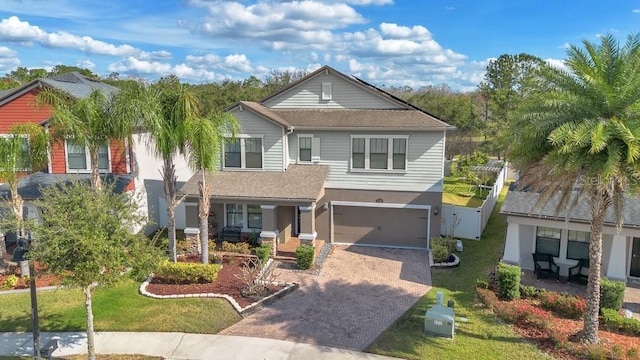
(243, 311)
(454, 263)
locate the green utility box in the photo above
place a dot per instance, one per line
(439, 321)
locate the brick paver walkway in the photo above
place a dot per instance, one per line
(358, 294)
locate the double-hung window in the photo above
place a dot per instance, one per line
(548, 241)
(379, 152)
(578, 245)
(308, 148)
(245, 216)
(243, 153)
(79, 157)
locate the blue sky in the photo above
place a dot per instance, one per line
(387, 42)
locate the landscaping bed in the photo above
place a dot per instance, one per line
(226, 284)
(556, 334)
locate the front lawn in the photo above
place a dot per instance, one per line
(483, 336)
(117, 308)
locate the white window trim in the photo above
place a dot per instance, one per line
(87, 155)
(367, 153)
(315, 149)
(245, 218)
(242, 138)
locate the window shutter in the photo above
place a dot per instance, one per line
(315, 149)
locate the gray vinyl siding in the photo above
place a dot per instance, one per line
(424, 162)
(272, 143)
(345, 95)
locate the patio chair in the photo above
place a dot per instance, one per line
(580, 272)
(545, 267)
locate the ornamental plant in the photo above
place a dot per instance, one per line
(508, 281)
(565, 305)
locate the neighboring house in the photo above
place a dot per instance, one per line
(66, 159)
(330, 157)
(542, 229)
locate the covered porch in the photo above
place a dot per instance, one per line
(275, 207)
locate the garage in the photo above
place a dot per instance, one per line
(379, 224)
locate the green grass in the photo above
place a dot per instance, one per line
(116, 308)
(483, 336)
(457, 192)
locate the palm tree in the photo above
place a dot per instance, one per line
(578, 136)
(23, 150)
(205, 138)
(91, 122)
(175, 106)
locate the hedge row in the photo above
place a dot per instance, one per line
(187, 273)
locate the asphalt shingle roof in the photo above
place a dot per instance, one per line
(522, 203)
(297, 183)
(29, 187)
(78, 85)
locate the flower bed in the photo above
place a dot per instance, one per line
(553, 331)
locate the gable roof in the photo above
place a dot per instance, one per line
(407, 117)
(522, 203)
(74, 84)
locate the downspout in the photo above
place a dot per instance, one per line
(285, 147)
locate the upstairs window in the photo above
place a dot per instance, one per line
(304, 148)
(379, 153)
(243, 153)
(79, 157)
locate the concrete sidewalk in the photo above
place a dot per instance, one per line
(177, 346)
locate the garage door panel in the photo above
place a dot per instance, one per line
(380, 226)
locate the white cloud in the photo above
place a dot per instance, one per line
(8, 59)
(636, 11)
(13, 29)
(86, 64)
(132, 64)
(557, 63)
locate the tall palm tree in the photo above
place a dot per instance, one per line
(579, 136)
(205, 138)
(176, 106)
(91, 121)
(23, 150)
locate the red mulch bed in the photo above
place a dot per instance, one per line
(226, 283)
(567, 343)
(42, 279)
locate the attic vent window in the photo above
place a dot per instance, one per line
(326, 90)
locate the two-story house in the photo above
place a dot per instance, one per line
(330, 157)
(66, 158)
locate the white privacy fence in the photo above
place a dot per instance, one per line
(468, 223)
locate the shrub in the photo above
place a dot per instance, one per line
(482, 284)
(508, 281)
(10, 282)
(632, 353)
(450, 244)
(523, 313)
(187, 273)
(240, 247)
(182, 246)
(565, 305)
(304, 256)
(614, 321)
(529, 292)
(263, 252)
(440, 253)
(487, 297)
(611, 294)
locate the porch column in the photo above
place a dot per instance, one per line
(512, 244)
(269, 233)
(618, 259)
(308, 224)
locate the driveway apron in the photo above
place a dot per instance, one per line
(359, 293)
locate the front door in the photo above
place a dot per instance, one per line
(635, 258)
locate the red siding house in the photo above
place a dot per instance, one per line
(66, 160)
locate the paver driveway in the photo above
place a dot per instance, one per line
(358, 294)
